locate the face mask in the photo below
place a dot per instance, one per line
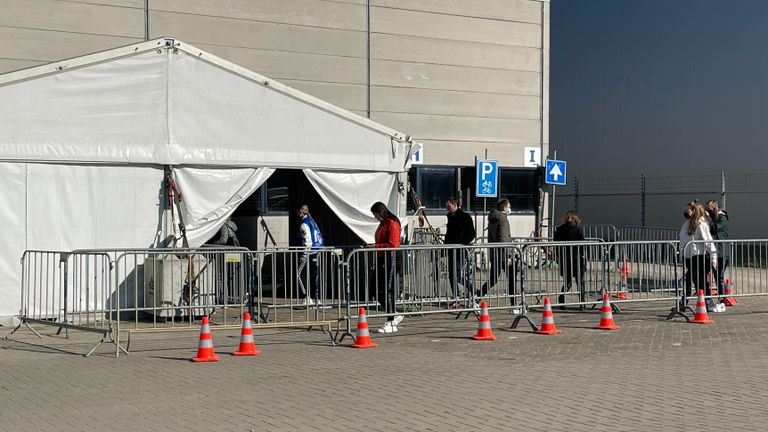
(687, 214)
(508, 211)
(712, 213)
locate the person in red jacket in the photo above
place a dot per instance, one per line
(387, 236)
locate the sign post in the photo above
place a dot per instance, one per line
(486, 182)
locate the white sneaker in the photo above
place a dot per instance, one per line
(516, 311)
(389, 327)
(718, 308)
(398, 319)
(307, 302)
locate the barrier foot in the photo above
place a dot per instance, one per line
(66, 332)
(615, 308)
(524, 316)
(119, 347)
(347, 332)
(679, 313)
(330, 335)
(105, 335)
(22, 323)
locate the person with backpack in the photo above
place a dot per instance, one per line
(312, 239)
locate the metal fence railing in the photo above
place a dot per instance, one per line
(644, 233)
(144, 290)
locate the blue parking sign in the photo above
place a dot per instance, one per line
(555, 172)
(487, 179)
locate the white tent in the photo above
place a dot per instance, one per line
(84, 143)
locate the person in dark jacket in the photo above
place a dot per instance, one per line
(718, 227)
(571, 260)
(500, 258)
(459, 231)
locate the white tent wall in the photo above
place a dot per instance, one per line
(66, 207)
(83, 143)
(350, 196)
(12, 229)
(211, 195)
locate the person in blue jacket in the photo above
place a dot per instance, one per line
(312, 239)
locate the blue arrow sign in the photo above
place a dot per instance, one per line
(555, 172)
(487, 179)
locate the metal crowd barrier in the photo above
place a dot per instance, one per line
(742, 267)
(605, 232)
(422, 280)
(130, 291)
(145, 290)
(643, 233)
(68, 290)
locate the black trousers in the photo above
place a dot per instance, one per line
(570, 269)
(386, 282)
(719, 274)
(498, 263)
(696, 269)
(460, 270)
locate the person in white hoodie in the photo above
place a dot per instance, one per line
(700, 256)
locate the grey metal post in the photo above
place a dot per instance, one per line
(553, 215)
(722, 188)
(367, 57)
(576, 194)
(146, 20)
(642, 199)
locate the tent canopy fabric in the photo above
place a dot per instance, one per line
(84, 146)
(169, 103)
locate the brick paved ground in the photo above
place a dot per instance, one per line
(650, 375)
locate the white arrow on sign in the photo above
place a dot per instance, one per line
(555, 172)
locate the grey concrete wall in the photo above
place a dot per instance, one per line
(34, 32)
(459, 75)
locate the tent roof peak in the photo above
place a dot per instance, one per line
(169, 43)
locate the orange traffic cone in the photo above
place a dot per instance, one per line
(205, 347)
(729, 299)
(484, 324)
(363, 337)
(547, 320)
(626, 270)
(606, 315)
(700, 316)
(247, 346)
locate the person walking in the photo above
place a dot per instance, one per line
(500, 258)
(459, 231)
(307, 274)
(387, 236)
(700, 258)
(718, 228)
(570, 259)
